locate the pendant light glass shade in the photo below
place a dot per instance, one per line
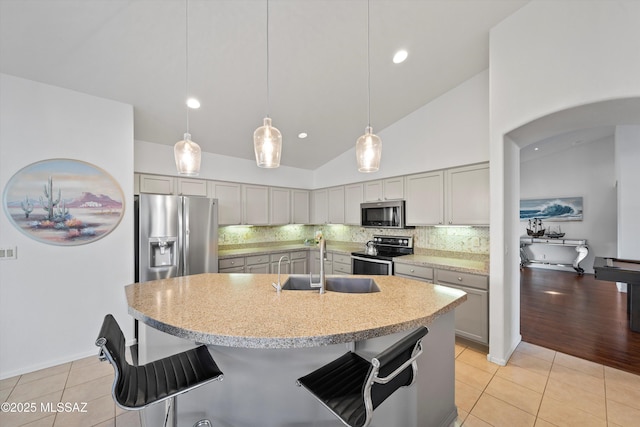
(368, 151)
(267, 144)
(187, 154)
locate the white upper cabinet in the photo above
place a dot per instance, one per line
(255, 200)
(157, 184)
(393, 188)
(192, 187)
(300, 207)
(229, 195)
(467, 190)
(425, 198)
(373, 191)
(457, 196)
(336, 205)
(384, 189)
(353, 196)
(280, 205)
(319, 206)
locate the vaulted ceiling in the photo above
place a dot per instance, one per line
(134, 51)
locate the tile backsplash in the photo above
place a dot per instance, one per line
(455, 239)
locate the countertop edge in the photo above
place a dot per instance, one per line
(299, 342)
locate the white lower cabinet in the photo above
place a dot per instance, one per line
(299, 262)
(315, 262)
(341, 264)
(411, 271)
(472, 316)
(257, 264)
(231, 265)
(285, 266)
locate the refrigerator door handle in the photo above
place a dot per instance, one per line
(180, 255)
(185, 233)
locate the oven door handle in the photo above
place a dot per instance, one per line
(378, 261)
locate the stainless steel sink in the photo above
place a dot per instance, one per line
(352, 285)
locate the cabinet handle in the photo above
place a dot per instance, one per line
(412, 270)
(459, 279)
(233, 262)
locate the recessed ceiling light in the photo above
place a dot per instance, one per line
(302, 135)
(536, 149)
(193, 103)
(400, 56)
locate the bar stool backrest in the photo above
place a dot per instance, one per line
(395, 367)
(113, 348)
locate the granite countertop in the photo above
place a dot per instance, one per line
(460, 262)
(244, 310)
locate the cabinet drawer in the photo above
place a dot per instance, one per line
(463, 279)
(230, 263)
(257, 259)
(413, 270)
(299, 254)
(344, 259)
(339, 268)
(239, 269)
(275, 257)
(328, 255)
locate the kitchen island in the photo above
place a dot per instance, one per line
(264, 340)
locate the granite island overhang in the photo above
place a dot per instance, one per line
(244, 310)
(263, 340)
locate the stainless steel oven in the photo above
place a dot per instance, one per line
(381, 264)
(368, 265)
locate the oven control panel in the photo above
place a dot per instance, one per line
(393, 241)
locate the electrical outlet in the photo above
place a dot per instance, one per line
(8, 253)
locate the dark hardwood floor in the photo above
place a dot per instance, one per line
(578, 315)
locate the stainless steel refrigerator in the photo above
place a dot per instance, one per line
(175, 236)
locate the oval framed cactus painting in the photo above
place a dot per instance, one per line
(63, 202)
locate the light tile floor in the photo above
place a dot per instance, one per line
(537, 388)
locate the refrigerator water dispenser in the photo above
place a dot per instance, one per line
(162, 252)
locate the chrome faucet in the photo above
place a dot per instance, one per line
(278, 286)
(321, 284)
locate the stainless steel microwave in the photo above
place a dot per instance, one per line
(387, 214)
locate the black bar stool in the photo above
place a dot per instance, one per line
(136, 387)
(351, 387)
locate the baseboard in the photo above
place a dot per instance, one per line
(503, 361)
(55, 362)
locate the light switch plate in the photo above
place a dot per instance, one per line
(8, 252)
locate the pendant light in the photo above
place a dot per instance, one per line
(267, 140)
(186, 152)
(369, 145)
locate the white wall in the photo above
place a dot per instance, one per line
(155, 158)
(53, 298)
(587, 170)
(627, 153)
(449, 131)
(545, 58)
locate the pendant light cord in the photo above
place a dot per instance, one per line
(186, 55)
(368, 70)
(268, 98)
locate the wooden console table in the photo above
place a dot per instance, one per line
(579, 244)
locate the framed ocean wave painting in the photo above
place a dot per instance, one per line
(63, 202)
(552, 209)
